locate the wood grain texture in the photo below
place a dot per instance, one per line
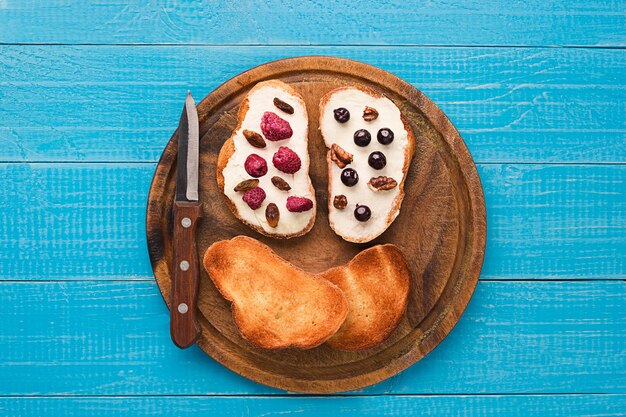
(110, 103)
(86, 221)
(596, 405)
(446, 203)
(111, 338)
(184, 327)
(556, 22)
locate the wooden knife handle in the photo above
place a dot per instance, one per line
(184, 328)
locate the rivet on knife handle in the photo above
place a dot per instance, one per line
(185, 274)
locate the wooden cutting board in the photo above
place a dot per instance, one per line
(441, 229)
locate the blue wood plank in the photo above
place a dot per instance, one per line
(437, 22)
(110, 103)
(377, 406)
(86, 221)
(555, 221)
(112, 338)
(74, 221)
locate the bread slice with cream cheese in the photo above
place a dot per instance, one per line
(263, 168)
(370, 147)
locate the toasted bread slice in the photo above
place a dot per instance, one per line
(274, 304)
(293, 220)
(380, 184)
(376, 284)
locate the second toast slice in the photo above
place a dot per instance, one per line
(376, 285)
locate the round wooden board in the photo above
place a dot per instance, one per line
(441, 229)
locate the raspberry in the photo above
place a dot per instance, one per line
(286, 160)
(255, 165)
(254, 197)
(299, 204)
(274, 128)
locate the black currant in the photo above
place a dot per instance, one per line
(342, 115)
(362, 137)
(385, 136)
(349, 177)
(362, 213)
(377, 160)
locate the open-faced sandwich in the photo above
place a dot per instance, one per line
(370, 148)
(263, 168)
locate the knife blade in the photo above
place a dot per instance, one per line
(184, 328)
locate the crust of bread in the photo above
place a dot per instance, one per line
(228, 149)
(408, 157)
(274, 304)
(376, 285)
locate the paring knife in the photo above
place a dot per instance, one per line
(187, 210)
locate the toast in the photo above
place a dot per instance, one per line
(274, 304)
(370, 147)
(376, 285)
(263, 168)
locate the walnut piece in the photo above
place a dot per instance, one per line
(382, 183)
(340, 202)
(340, 156)
(370, 114)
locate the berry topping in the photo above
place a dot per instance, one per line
(349, 177)
(342, 115)
(254, 197)
(286, 160)
(255, 165)
(362, 213)
(377, 160)
(274, 127)
(385, 136)
(299, 204)
(362, 137)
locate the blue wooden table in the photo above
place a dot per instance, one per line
(90, 94)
